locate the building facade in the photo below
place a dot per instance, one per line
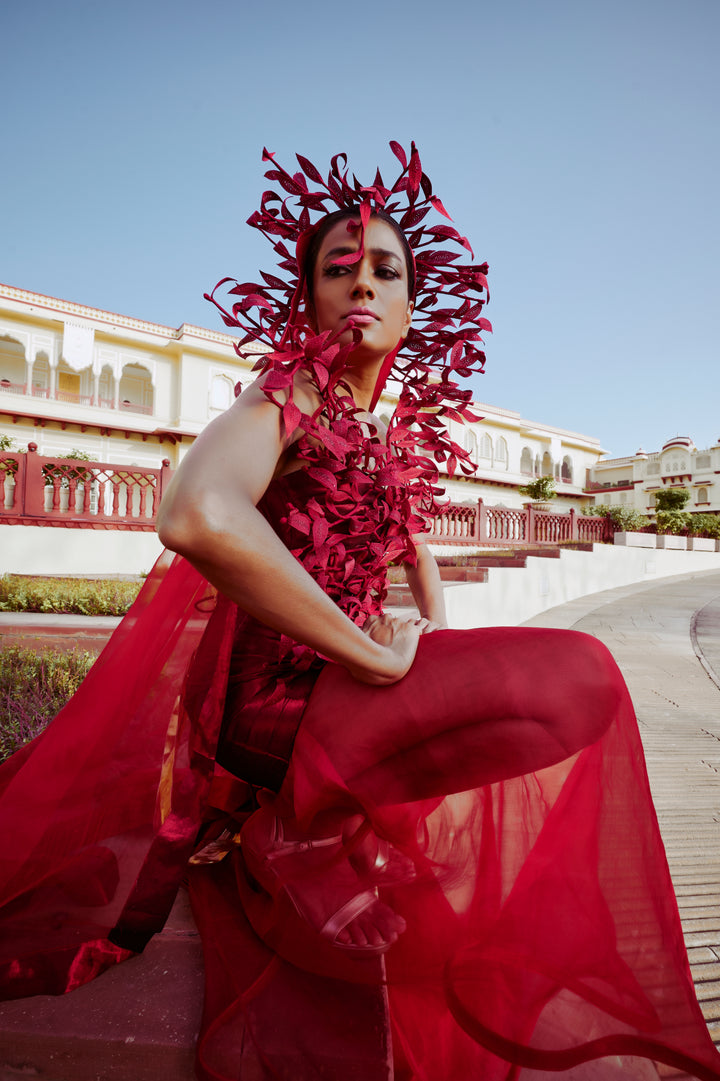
(118, 389)
(125, 391)
(635, 481)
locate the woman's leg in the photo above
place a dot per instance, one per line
(478, 706)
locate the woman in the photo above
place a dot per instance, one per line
(471, 806)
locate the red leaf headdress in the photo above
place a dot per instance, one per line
(444, 339)
(443, 342)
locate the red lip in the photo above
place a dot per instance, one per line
(361, 311)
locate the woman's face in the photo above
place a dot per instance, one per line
(370, 295)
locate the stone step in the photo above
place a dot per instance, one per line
(140, 1022)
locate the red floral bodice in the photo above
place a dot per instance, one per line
(345, 529)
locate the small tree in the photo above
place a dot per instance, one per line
(672, 499)
(540, 490)
(670, 516)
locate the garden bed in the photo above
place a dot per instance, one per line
(73, 596)
(34, 686)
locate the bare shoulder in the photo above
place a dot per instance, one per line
(305, 394)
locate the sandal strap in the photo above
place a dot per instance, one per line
(353, 908)
(290, 848)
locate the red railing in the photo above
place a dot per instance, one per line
(506, 526)
(37, 490)
(52, 491)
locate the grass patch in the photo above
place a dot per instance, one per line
(33, 688)
(79, 596)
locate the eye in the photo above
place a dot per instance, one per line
(334, 270)
(387, 272)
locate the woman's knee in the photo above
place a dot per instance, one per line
(598, 687)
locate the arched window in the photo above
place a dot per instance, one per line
(651, 499)
(547, 464)
(485, 448)
(136, 389)
(702, 495)
(567, 469)
(501, 454)
(221, 393)
(471, 444)
(526, 461)
(12, 361)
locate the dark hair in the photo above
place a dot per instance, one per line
(324, 227)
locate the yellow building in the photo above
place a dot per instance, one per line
(119, 389)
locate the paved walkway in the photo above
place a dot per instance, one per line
(666, 639)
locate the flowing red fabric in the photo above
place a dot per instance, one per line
(542, 925)
(99, 815)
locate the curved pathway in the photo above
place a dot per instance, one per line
(666, 639)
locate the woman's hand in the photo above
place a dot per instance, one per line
(399, 639)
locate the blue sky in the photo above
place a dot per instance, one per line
(575, 143)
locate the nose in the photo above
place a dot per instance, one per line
(363, 284)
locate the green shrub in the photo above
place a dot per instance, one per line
(103, 597)
(34, 686)
(539, 490)
(672, 521)
(626, 519)
(706, 525)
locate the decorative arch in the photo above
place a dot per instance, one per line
(485, 447)
(526, 461)
(13, 361)
(136, 392)
(547, 463)
(471, 443)
(501, 454)
(702, 495)
(566, 471)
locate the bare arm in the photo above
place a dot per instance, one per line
(209, 516)
(426, 585)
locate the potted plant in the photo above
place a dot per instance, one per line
(671, 520)
(540, 491)
(704, 532)
(628, 525)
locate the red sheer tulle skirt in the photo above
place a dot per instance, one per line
(506, 774)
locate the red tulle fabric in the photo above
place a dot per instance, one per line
(542, 925)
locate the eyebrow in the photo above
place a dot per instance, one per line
(382, 253)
